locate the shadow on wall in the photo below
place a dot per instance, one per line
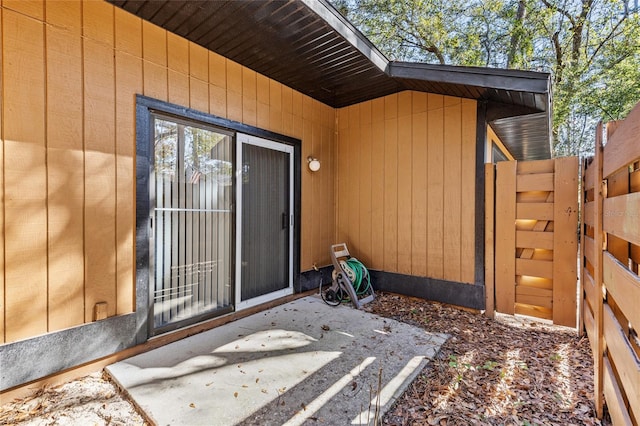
(62, 239)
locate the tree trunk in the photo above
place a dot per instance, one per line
(578, 30)
(516, 33)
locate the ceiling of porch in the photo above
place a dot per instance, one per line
(310, 47)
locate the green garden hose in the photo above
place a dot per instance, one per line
(358, 275)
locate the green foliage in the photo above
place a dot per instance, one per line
(453, 361)
(489, 365)
(591, 48)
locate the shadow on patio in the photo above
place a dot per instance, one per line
(298, 362)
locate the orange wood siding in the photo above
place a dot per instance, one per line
(70, 73)
(389, 233)
(435, 186)
(468, 174)
(65, 167)
(2, 233)
(377, 183)
(129, 80)
(406, 184)
(99, 157)
(25, 172)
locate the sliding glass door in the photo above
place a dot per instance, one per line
(222, 222)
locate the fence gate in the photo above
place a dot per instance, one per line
(531, 245)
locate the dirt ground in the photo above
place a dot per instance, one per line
(90, 400)
(508, 371)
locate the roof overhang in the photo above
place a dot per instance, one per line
(308, 46)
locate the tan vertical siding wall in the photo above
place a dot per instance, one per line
(406, 184)
(70, 73)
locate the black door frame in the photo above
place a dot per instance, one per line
(145, 107)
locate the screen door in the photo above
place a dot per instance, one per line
(264, 228)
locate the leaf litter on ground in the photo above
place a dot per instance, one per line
(510, 370)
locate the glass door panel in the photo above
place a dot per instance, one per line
(192, 197)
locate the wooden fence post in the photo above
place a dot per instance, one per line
(505, 237)
(582, 201)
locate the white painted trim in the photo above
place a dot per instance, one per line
(276, 146)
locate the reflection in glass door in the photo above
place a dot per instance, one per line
(192, 195)
(265, 225)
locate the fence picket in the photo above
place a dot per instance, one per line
(505, 210)
(565, 243)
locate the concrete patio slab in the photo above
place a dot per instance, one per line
(300, 363)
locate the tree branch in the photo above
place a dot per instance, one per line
(559, 9)
(558, 50)
(605, 40)
(431, 48)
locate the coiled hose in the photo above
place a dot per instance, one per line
(358, 275)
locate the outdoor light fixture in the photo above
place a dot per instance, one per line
(314, 164)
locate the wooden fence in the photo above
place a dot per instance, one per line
(611, 254)
(533, 261)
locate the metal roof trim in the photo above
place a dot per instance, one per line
(346, 29)
(495, 78)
